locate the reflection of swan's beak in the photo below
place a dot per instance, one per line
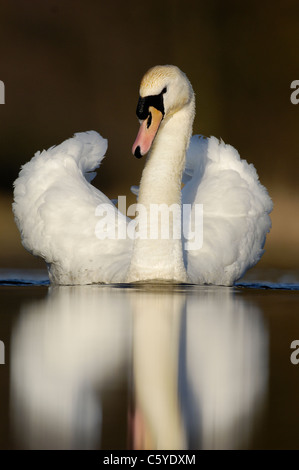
(147, 132)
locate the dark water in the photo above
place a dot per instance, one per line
(149, 366)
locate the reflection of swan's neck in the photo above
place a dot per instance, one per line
(157, 317)
(161, 184)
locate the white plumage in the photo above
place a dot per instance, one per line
(236, 211)
(55, 210)
(55, 205)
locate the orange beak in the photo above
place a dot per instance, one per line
(147, 132)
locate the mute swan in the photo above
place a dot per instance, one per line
(58, 211)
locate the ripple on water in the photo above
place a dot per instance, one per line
(282, 280)
(23, 277)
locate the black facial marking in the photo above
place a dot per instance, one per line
(143, 105)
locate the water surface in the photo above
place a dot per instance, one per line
(149, 366)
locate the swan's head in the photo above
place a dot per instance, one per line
(164, 90)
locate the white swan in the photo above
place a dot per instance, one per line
(57, 209)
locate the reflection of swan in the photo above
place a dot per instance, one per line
(215, 346)
(70, 351)
(227, 369)
(198, 361)
(158, 423)
(55, 205)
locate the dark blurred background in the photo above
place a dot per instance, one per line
(74, 65)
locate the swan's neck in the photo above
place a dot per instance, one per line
(157, 255)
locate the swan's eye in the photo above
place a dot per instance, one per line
(149, 120)
(164, 90)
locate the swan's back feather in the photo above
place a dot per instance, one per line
(196, 157)
(55, 210)
(236, 211)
